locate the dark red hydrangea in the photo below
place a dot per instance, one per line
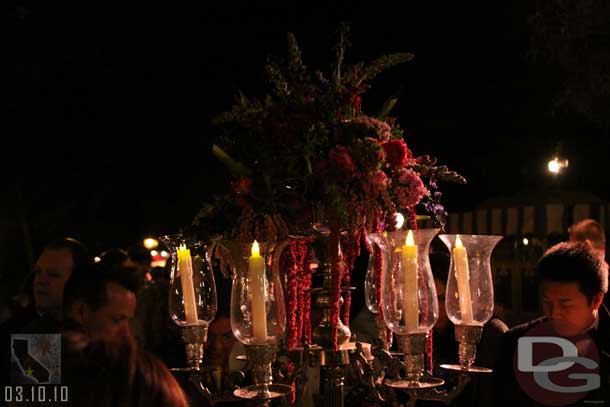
(410, 190)
(342, 161)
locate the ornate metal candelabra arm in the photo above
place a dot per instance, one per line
(207, 380)
(366, 373)
(209, 383)
(372, 372)
(371, 375)
(201, 387)
(306, 359)
(443, 395)
(217, 395)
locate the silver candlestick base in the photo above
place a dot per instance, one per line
(194, 337)
(414, 348)
(260, 357)
(468, 336)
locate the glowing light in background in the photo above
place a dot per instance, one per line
(150, 243)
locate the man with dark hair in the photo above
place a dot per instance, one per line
(101, 361)
(572, 283)
(57, 262)
(103, 302)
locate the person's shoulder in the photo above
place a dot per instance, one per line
(154, 382)
(495, 325)
(148, 363)
(603, 330)
(519, 330)
(143, 355)
(45, 324)
(18, 321)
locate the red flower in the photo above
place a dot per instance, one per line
(357, 103)
(242, 186)
(397, 153)
(342, 161)
(375, 183)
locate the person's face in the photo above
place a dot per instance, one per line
(564, 302)
(220, 341)
(110, 323)
(51, 273)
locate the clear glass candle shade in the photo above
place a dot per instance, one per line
(192, 292)
(371, 281)
(408, 291)
(258, 312)
(469, 299)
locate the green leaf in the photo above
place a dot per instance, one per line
(276, 80)
(340, 49)
(382, 63)
(234, 166)
(387, 108)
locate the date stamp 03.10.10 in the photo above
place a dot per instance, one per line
(35, 372)
(49, 395)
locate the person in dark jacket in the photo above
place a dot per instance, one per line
(59, 260)
(572, 285)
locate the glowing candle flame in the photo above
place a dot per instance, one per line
(458, 242)
(255, 249)
(409, 241)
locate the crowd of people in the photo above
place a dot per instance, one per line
(118, 339)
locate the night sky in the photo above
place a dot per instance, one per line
(112, 103)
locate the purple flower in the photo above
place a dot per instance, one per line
(323, 81)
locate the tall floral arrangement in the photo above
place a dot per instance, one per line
(306, 152)
(307, 157)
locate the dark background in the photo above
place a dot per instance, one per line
(110, 103)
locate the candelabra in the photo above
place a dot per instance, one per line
(408, 305)
(469, 299)
(258, 315)
(469, 304)
(192, 294)
(331, 360)
(409, 302)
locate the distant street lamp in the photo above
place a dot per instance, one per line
(556, 165)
